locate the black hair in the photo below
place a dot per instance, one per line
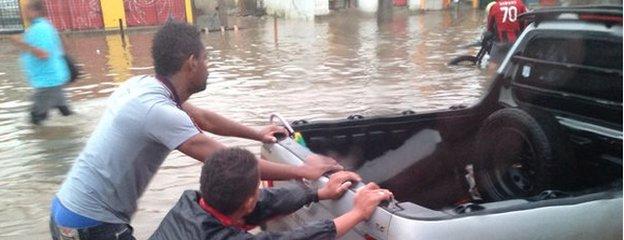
(36, 5)
(172, 45)
(229, 177)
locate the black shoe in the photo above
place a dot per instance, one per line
(36, 119)
(65, 111)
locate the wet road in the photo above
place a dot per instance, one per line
(344, 64)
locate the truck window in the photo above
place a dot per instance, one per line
(576, 75)
(580, 70)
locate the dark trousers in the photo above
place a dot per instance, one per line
(104, 231)
(45, 99)
(499, 51)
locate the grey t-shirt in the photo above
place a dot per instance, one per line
(139, 128)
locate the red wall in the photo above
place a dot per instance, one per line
(153, 12)
(399, 3)
(74, 14)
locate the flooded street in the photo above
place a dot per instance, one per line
(339, 65)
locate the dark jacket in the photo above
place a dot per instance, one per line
(187, 220)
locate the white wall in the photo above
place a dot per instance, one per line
(413, 4)
(321, 7)
(433, 5)
(426, 5)
(301, 9)
(370, 6)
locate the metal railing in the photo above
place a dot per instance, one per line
(10, 16)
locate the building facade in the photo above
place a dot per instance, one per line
(110, 14)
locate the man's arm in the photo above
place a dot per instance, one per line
(200, 147)
(289, 198)
(217, 124)
(23, 46)
(366, 201)
(490, 23)
(283, 200)
(276, 171)
(313, 168)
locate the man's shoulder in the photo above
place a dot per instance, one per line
(489, 6)
(494, 8)
(143, 86)
(41, 25)
(188, 203)
(189, 197)
(187, 220)
(142, 90)
(144, 79)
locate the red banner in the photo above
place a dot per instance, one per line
(74, 14)
(153, 12)
(399, 3)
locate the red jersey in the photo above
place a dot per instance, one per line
(503, 17)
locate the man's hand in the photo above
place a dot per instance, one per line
(338, 183)
(267, 134)
(367, 199)
(17, 40)
(39, 53)
(316, 165)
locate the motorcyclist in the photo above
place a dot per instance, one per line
(503, 22)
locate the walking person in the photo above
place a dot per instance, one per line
(43, 61)
(147, 118)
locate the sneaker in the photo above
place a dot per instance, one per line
(65, 111)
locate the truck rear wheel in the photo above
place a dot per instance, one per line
(520, 156)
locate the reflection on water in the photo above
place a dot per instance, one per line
(330, 68)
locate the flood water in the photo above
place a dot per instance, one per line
(339, 65)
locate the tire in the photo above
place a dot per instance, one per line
(463, 60)
(518, 155)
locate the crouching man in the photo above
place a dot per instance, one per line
(230, 203)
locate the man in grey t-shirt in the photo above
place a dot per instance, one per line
(147, 118)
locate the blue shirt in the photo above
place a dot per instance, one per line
(49, 72)
(139, 128)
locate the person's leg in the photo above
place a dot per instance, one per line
(39, 109)
(65, 111)
(497, 54)
(53, 229)
(37, 118)
(60, 101)
(491, 68)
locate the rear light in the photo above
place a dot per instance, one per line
(369, 237)
(601, 18)
(267, 184)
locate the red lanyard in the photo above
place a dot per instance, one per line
(223, 219)
(165, 82)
